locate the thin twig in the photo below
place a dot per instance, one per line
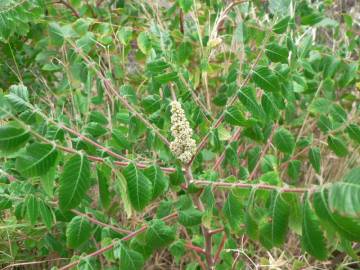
(73, 10)
(249, 185)
(112, 245)
(231, 102)
(95, 221)
(264, 151)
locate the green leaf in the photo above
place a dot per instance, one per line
(18, 97)
(74, 182)
(160, 183)
(266, 79)
(233, 210)
(337, 145)
(78, 231)
(345, 226)
(124, 34)
(344, 197)
(151, 103)
(46, 214)
(128, 259)
(186, 5)
(12, 138)
(37, 159)
(139, 187)
(320, 105)
(280, 219)
(103, 176)
(315, 158)
(122, 189)
(159, 234)
(281, 26)
(353, 131)
(32, 208)
(234, 116)
(293, 170)
(247, 96)
(144, 42)
(312, 238)
(277, 53)
(166, 77)
(190, 217)
(269, 106)
(284, 140)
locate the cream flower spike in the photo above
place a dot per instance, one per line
(183, 146)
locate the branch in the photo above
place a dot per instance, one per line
(73, 10)
(264, 151)
(217, 123)
(109, 87)
(95, 221)
(248, 185)
(220, 159)
(205, 231)
(112, 245)
(220, 248)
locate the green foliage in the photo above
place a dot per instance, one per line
(88, 172)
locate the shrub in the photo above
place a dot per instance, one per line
(179, 134)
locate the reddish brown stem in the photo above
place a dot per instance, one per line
(216, 231)
(247, 185)
(95, 221)
(220, 249)
(195, 248)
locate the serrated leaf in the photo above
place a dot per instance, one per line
(266, 79)
(320, 105)
(12, 138)
(277, 53)
(337, 145)
(315, 158)
(233, 210)
(353, 131)
(344, 197)
(345, 226)
(18, 97)
(139, 187)
(190, 217)
(312, 238)
(247, 96)
(159, 234)
(78, 231)
(269, 106)
(32, 208)
(284, 140)
(281, 26)
(144, 42)
(166, 77)
(37, 159)
(151, 103)
(235, 117)
(128, 259)
(74, 182)
(103, 176)
(46, 214)
(279, 220)
(159, 182)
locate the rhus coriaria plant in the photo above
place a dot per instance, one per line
(179, 134)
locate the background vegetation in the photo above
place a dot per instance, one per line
(270, 90)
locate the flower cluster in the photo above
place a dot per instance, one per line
(183, 146)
